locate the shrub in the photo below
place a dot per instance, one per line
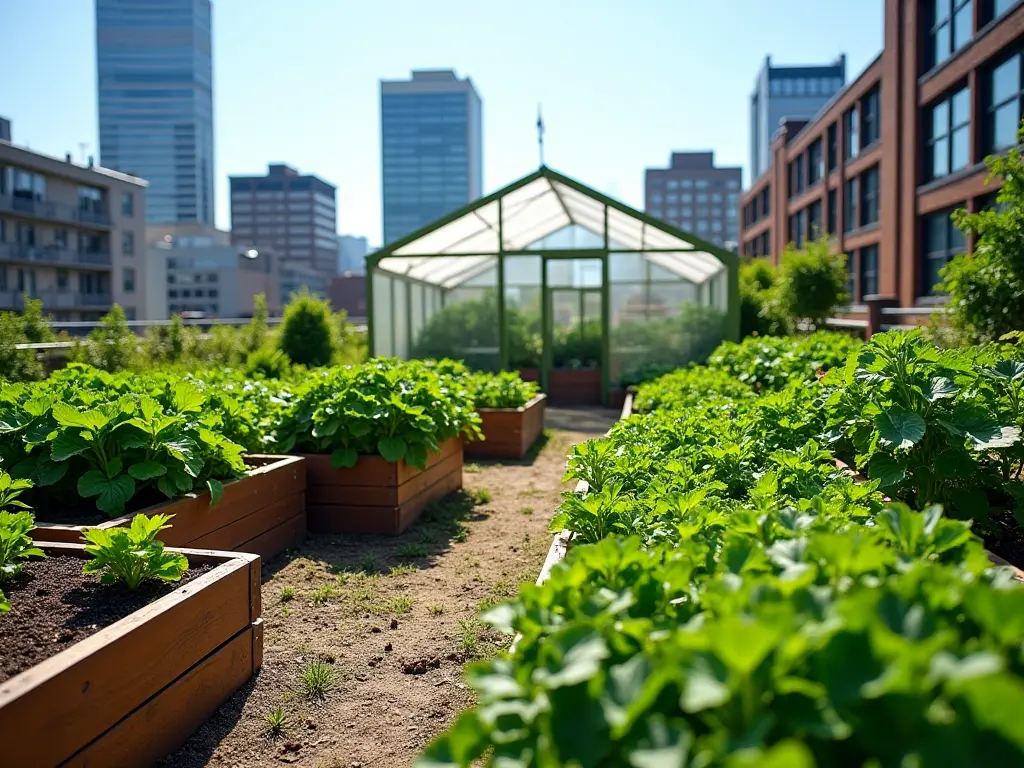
(986, 287)
(774, 363)
(31, 327)
(111, 346)
(268, 363)
(256, 333)
(759, 312)
(812, 282)
(501, 390)
(307, 335)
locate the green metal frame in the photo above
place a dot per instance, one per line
(727, 258)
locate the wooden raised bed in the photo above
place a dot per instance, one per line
(569, 386)
(135, 691)
(263, 513)
(508, 432)
(378, 496)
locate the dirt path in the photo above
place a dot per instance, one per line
(385, 625)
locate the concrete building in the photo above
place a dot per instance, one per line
(795, 92)
(696, 196)
(293, 213)
(296, 278)
(348, 292)
(5, 129)
(205, 273)
(886, 162)
(431, 149)
(72, 236)
(154, 64)
(352, 252)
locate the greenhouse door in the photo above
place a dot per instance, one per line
(573, 351)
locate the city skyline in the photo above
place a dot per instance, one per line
(605, 121)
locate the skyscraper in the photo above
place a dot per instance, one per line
(155, 85)
(431, 149)
(789, 91)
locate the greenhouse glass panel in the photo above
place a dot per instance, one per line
(381, 317)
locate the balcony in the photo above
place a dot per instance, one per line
(47, 210)
(52, 300)
(53, 255)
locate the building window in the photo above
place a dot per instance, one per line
(851, 281)
(869, 196)
(796, 229)
(950, 27)
(993, 9)
(942, 241)
(949, 140)
(1003, 100)
(833, 212)
(833, 148)
(796, 176)
(871, 130)
(128, 243)
(128, 276)
(814, 220)
(127, 204)
(60, 238)
(868, 271)
(851, 133)
(815, 162)
(766, 204)
(62, 280)
(850, 206)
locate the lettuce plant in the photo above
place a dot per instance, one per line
(16, 522)
(500, 390)
(133, 555)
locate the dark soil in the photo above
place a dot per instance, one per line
(54, 605)
(1005, 537)
(79, 511)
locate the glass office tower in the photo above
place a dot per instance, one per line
(155, 86)
(431, 149)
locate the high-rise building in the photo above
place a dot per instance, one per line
(431, 149)
(797, 92)
(5, 129)
(155, 85)
(293, 213)
(696, 196)
(71, 236)
(352, 252)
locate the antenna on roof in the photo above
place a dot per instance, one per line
(540, 134)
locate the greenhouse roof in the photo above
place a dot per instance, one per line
(527, 215)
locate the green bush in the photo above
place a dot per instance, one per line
(268, 363)
(773, 363)
(500, 390)
(111, 346)
(759, 312)
(811, 283)
(31, 327)
(257, 332)
(307, 331)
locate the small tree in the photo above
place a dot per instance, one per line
(111, 346)
(35, 323)
(812, 282)
(759, 315)
(256, 335)
(986, 287)
(307, 334)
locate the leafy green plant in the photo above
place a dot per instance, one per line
(267, 363)
(811, 283)
(500, 390)
(111, 346)
(307, 330)
(29, 327)
(133, 555)
(257, 332)
(398, 410)
(277, 722)
(760, 314)
(15, 531)
(773, 363)
(317, 679)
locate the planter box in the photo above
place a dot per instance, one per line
(135, 691)
(378, 496)
(263, 513)
(508, 432)
(569, 386)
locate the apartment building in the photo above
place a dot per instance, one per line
(885, 163)
(72, 236)
(692, 193)
(293, 213)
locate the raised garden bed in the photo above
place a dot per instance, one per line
(569, 386)
(263, 513)
(136, 689)
(508, 432)
(376, 495)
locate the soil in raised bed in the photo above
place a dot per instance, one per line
(1005, 538)
(395, 618)
(54, 605)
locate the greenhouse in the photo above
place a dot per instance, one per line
(558, 281)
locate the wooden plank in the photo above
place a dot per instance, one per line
(274, 478)
(367, 496)
(285, 536)
(411, 510)
(237, 533)
(371, 470)
(509, 432)
(165, 722)
(52, 710)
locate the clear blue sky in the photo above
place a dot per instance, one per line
(622, 82)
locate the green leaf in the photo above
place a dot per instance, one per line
(216, 489)
(113, 493)
(887, 470)
(187, 397)
(69, 416)
(344, 458)
(66, 445)
(705, 686)
(147, 470)
(899, 427)
(938, 388)
(416, 455)
(392, 448)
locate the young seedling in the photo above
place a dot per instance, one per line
(413, 549)
(403, 570)
(526, 510)
(287, 594)
(316, 680)
(481, 496)
(277, 722)
(133, 555)
(436, 610)
(322, 594)
(370, 565)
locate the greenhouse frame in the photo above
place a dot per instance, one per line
(552, 278)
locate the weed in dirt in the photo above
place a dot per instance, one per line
(316, 680)
(369, 565)
(487, 603)
(481, 496)
(399, 604)
(531, 492)
(277, 722)
(287, 593)
(504, 588)
(471, 468)
(403, 570)
(470, 642)
(436, 610)
(412, 549)
(322, 594)
(526, 510)
(461, 535)
(341, 579)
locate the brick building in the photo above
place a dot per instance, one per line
(884, 163)
(697, 196)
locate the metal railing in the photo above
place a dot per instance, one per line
(48, 209)
(54, 299)
(52, 254)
